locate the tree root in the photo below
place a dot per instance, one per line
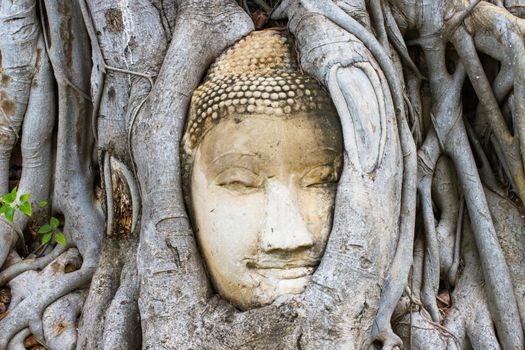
(345, 289)
(36, 264)
(28, 88)
(34, 292)
(113, 320)
(445, 193)
(102, 290)
(17, 343)
(499, 287)
(59, 321)
(428, 157)
(507, 144)
(122, 325)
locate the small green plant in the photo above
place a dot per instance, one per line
(50, 230)
(11, 202)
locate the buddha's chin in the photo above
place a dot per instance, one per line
(265, 289)
(272, 288)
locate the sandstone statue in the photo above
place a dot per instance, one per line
(295, 174)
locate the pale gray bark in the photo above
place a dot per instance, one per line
(120, 74)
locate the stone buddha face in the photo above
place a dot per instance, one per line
(262, 190)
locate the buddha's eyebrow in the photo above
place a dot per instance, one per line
(233, 154)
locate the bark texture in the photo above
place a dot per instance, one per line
(428, 239)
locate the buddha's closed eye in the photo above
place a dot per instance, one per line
(320, 176)
(239, 180)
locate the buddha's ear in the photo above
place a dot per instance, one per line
(359, 98)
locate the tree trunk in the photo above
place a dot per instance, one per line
(427, 244)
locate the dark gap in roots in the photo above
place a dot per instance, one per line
(470, 103)
(68, 268)
(415, 52)
(444, 297)
(426, 105)
(506, 110)
(482, 129)
(54, 145)
(31, 236)
(98, 186)
(410, 35)
(492, 67)
(377, 344)
(261, 17)
(62, 220)
(5, 300)
(45, 22)
(31, 343)
(15, 164)
(451, 59)
(418, 57)
(252, 6)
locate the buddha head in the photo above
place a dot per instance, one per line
(262, 155)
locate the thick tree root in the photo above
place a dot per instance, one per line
(26, 95)
(59, 321)
(469, 321)
(10, 272)
(113, 322)
(33, 292)
(428, 157)
(102, 289)
(122, 325)
(361, 276)
(445, 193)
(17, 343)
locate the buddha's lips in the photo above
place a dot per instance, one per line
(282, 268)
(286, 273)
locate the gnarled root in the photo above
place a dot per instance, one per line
(469, 322)
(59, 320)
(26, 95)
(33, 292)
(113, 319)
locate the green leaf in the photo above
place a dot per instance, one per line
(3, 208)
(60, 238)
(54, 222)
(9, 198)
(25, 197)
(46, 238)
(42, 204)
(26, 208)
(9, 213)
(45, 228)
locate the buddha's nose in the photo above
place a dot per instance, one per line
(284, 228)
